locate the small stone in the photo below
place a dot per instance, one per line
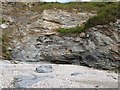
(44, 69)
(105, 26)
(4, 26)
(114, 48)
(9, 49)
(87, 35)
(111, 23)
(94, 28)
(77, 39)
(99, 26)
(82, 35)
(74, 74)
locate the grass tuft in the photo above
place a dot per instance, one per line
(6, 54)
(72, 30)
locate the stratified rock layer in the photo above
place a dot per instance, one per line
(35, 39)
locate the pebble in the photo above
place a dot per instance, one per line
(74, 74)
(44, 69)
(4, 26)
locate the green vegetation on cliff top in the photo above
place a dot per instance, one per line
(106, 13)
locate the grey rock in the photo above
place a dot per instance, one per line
(100, 60)
(44, 69)
(94, 28)
(99, 26)
(91, 45)
(26, 81)
(77, 39)
(75, 74)
(103, 39)
(82, 35)
(77, 49)
(65, 19)
(39, 41)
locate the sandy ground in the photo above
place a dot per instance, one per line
(63, 76)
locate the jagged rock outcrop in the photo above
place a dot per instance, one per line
(40, 39)
(36, 39)
(99, 48)
(51, 20)
(66, 19)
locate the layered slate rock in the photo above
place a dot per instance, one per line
(66, 19)
(100, 59)
(36, 39)
(39, 38)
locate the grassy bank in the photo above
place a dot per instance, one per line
(79, 6)
(110, 13)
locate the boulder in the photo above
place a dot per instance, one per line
(23, 81)
(44, 69)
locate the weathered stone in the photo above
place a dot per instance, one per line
(4, 26)
(36, 39)
(75, 74)
(26, 81)
(100, 60)
(65, 19)
(9, 49)
(114, 48)
(94, 28)
(77, 49)
(82, 35)
(77, 39)
(44, 69)
(91, 45)
(99, 26)
(103, 39)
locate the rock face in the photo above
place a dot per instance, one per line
(65, 19)
(37, 40)
(101, 60)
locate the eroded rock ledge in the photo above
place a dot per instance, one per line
(36, 40)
